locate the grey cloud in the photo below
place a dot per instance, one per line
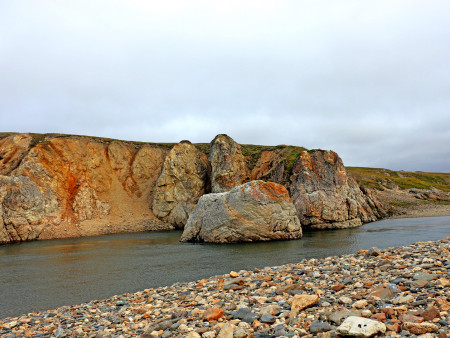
(367, 80)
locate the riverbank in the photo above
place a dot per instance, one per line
(406, 289)
(405, 204)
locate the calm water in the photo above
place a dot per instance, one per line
(47, 274)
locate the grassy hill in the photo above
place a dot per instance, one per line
(381, 179)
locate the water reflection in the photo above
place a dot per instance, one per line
(44, 275)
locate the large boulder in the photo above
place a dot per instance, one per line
(183, 180)
(255, 211)
(326, 197)
(228, 166)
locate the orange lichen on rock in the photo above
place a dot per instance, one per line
(254, 211)
(278, 191)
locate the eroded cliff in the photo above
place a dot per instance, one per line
(84, 187)
(57, 186)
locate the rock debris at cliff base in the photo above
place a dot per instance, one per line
(393, 292)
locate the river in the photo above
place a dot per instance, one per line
(46, 274)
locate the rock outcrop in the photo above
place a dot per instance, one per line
(324, 195)
(22, 209)
(88, 186)
(432, 194)
(271, 167)
(255, 211)
(12, 150)
(228, 165)
(183, 180)
(75, 186)
(86, 204)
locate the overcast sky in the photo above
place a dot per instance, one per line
(368, 79)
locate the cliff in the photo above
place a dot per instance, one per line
(58, 186)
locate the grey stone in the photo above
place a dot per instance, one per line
(59, 332)
(424, 276)
(250, 317)
(255, 211)
(241, 313)
(279, 330)
(267, 319)
(317, 327)
(338, 317)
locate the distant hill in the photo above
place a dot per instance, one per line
(381, 179)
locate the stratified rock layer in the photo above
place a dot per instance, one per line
(255, 211)
(228, 166)
(183, 180)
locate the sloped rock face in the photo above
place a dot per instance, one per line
(325, 197)
(228, 166)
(92, 187)
(136, 169)
(12, 149)
(23, 209)
(255, 211)
(86, 204)
(183, 180)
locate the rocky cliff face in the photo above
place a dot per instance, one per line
(228, 166)
(80, 186)
(57, 186)
(12, 150)
(324, 195)
(23, 209)
(183, 180)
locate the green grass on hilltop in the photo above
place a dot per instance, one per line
(378, 178)
(253, 153)
(45, 138)
(291, 154)
(203, 147)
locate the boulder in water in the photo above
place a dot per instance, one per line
(255, 211)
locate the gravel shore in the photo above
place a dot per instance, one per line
(393, 292)
(406, 205)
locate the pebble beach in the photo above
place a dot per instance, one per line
(393, 292)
